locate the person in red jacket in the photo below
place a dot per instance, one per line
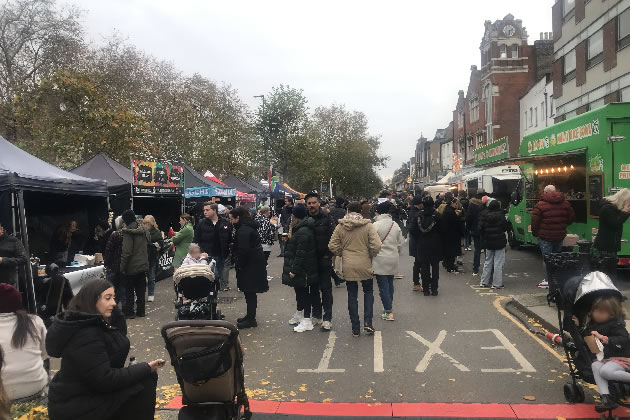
(550, 219)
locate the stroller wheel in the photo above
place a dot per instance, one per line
(579, 393)
(570, 394)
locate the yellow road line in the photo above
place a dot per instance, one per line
(502, 311)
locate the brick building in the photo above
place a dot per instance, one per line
(490, 108)
(591, 60)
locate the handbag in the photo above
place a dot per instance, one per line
(44, 311)
(387, 234)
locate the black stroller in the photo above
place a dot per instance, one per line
(197, 293)
(574, 291)
(208, 360)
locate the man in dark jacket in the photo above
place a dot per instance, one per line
(492, 228)
(550, 219)
(213, 234)
(475, 207)
(414, 232)
(12, 257)
(285, 222)
(323, 226)
(134, 263)
(429, 245)
(338, 211)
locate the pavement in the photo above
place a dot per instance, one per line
(463, 353)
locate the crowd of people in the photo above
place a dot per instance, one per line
(322, 242)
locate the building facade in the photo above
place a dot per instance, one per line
(490, 109)
(446, 150)
(591, 56)
(538, 109)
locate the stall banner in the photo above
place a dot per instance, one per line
(196, 192)
(562, 137)
(163, 178)
(492, 152)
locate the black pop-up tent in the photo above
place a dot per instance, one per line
(118, 179)
(35, 197)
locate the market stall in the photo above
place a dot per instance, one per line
(36, 198)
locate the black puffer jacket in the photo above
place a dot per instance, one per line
(618, 337)
(611, 221)
(13, 256)
(453, 223)
(210, 236)
(493, 226)
(430, 233)
(473, 216)
(249, 260)
(337, 213)
(324, 226)
(92, 382)
(300, 256)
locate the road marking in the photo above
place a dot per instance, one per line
(506, 345)
(434, 348)
(378, 352)
(153, 310)
(502, 311)
(325, 361)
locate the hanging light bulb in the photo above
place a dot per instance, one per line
(553, 170)
(536, 171)
(565, 169)
(559, 169)
(547, 170)
(572, 167)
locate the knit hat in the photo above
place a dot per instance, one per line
(221, 209)
(428, 202)
(299, 212)
(10, 299)
(128, 217)
(417, 200)
(384, 207)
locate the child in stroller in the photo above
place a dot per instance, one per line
(195, 287)
(599, 349)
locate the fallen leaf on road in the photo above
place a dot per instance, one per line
(327, 400)
(452, 380)
(330, 381)
(264, 382)
(529, 398)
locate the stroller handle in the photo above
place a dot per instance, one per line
(200, 324)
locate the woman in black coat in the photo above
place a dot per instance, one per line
(612, 216)
(93, 382)
(429, 245)
(453, 222)
(249, 261)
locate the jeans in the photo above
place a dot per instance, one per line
(546, 248)
(220, 264)
(609, 371)
(135, 283)
(353, 304)
(325, 285)
(416, 271)
(225, 276)
(495, 259)
(386, 291)
(153, 265)
(430, 273)
(308, 301)
(251, 299)
(477, 253)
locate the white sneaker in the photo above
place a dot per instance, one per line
(150, 298)
(296, 318)
(543, 284)
(316, 321)
(326, 326)
(305, 325)
(269, 278)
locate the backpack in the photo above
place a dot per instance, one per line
(426, 223)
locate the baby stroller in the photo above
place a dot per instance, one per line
(208, 360)
(197, 293)
(575, 298)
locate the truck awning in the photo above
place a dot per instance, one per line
(506, 177)
(533, 158)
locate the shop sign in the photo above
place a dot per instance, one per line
(596, 163)
(624, 175)
(157, 177)
(197, 192)
(563, 137)
(624, 171)
(493, 152)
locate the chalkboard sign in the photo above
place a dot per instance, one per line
(595, 193)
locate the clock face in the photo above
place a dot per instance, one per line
(509, 30)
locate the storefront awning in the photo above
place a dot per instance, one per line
(505, 177)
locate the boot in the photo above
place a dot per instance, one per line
(607, 404)
(241, 319)
(247, 323)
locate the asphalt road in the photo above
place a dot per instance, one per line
(457, 347)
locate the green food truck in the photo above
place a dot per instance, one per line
(586, 158)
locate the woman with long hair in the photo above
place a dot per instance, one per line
(183, 239)
(65, 242)
(22, 336)
(154, 253)
(249, 259)
(93, 382)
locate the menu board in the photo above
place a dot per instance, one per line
(163, 178)
(595, 193)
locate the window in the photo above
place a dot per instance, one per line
(568, 9)
(568, 66)
(474, 110)
(531, 116)
(487, 96)
(623, 29)
(503, 51)
(569, 115)
(595, 53)
(479, 140)
(460, 119)
(551, 110)
(596, 104)
(525, 125)
(625, 94)
(515, 51)
(536, 119)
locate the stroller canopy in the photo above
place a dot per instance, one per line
(592, 286)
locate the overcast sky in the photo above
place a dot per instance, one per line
(400, 62)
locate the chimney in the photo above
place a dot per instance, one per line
(473, 67)
(541, 36)
(460, 93)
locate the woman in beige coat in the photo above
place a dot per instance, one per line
(356, 241)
